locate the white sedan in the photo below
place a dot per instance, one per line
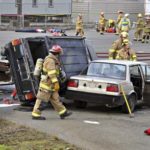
(104, 81)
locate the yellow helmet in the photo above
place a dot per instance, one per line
(139, 15)
(111, 21)
(124, 34)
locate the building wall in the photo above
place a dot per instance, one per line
(147, 7)
(91, 8)
(8, 7)
(60, 7)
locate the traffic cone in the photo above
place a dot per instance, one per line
(14, 93)
(147, 131)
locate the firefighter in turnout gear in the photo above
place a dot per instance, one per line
(125, 24)
(120, 16)
(79, 26)
(49, 85)
(102, 23)
(126, 53)
(117, 45)
(139, 28)
(146, 34)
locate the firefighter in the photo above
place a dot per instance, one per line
(117, 45)
(102, 22)
(125, 24)
(79, 26)
(111, 26)
(120, 16)
(126, 53)
(49, 85)
(146, 34)
(139, 28)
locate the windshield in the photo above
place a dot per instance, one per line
(107, 70)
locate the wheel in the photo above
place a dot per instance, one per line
(132, 102)
(80, 104)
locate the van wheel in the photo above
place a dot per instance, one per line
(132, 102)
(80, 104)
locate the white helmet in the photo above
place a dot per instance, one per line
(126, 15)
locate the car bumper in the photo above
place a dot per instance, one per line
(95, 98)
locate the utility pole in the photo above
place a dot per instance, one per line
(19, 13)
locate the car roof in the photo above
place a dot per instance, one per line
(122, 62)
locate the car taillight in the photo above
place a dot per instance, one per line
(72, 83)
(112, 88)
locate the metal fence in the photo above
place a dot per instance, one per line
(140, 56)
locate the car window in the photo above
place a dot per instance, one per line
(146, 71)
(134, 71)
(107, 70)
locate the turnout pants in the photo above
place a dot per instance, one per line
(53, 97)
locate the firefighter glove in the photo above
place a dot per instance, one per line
(56, 86)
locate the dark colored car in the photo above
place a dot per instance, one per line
(22, 55)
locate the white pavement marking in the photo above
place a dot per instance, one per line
(91, 122)
(8, 105)
(140, 51)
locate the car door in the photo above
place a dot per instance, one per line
(136, 77)
(146, 93)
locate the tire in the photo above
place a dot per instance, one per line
(80, 104)
(132, 102)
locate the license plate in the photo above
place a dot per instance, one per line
(92, 85)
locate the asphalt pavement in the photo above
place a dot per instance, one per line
(93, 128)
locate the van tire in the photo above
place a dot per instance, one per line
(132, 102)
(80, 104)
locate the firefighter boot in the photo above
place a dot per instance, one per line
(65, 114)
(143, 41)
(37, 116)
(135, 39)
